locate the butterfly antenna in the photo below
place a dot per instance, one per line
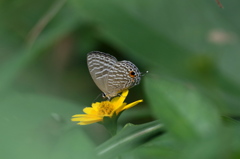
(96, 98)
(144, 73)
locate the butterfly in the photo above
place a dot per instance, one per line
(110, 75)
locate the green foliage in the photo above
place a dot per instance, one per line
(192, 90)
(130, 137)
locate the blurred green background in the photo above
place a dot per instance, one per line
(190, 48)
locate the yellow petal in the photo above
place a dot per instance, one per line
(117, 101)
(95, 106)
(89, 110)
(85, 117)
(79, 115)
(132, 104)
(121, 108)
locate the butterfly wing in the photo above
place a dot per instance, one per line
(123, 75)
(99, 65)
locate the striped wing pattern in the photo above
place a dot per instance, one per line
(111, 76)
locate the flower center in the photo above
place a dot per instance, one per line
(105, 108)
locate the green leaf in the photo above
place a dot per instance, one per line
(186, 113)
(131, 136)
(13, 66)
(164, 146)
(34, 126)
(73, 144)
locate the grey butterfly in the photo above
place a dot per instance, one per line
(110, 75)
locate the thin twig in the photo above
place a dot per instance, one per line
(219, 4)
(42, 23)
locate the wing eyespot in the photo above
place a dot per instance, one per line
(132, 74)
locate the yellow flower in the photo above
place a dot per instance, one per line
(98, 111)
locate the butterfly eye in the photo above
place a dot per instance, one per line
(132, 74)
